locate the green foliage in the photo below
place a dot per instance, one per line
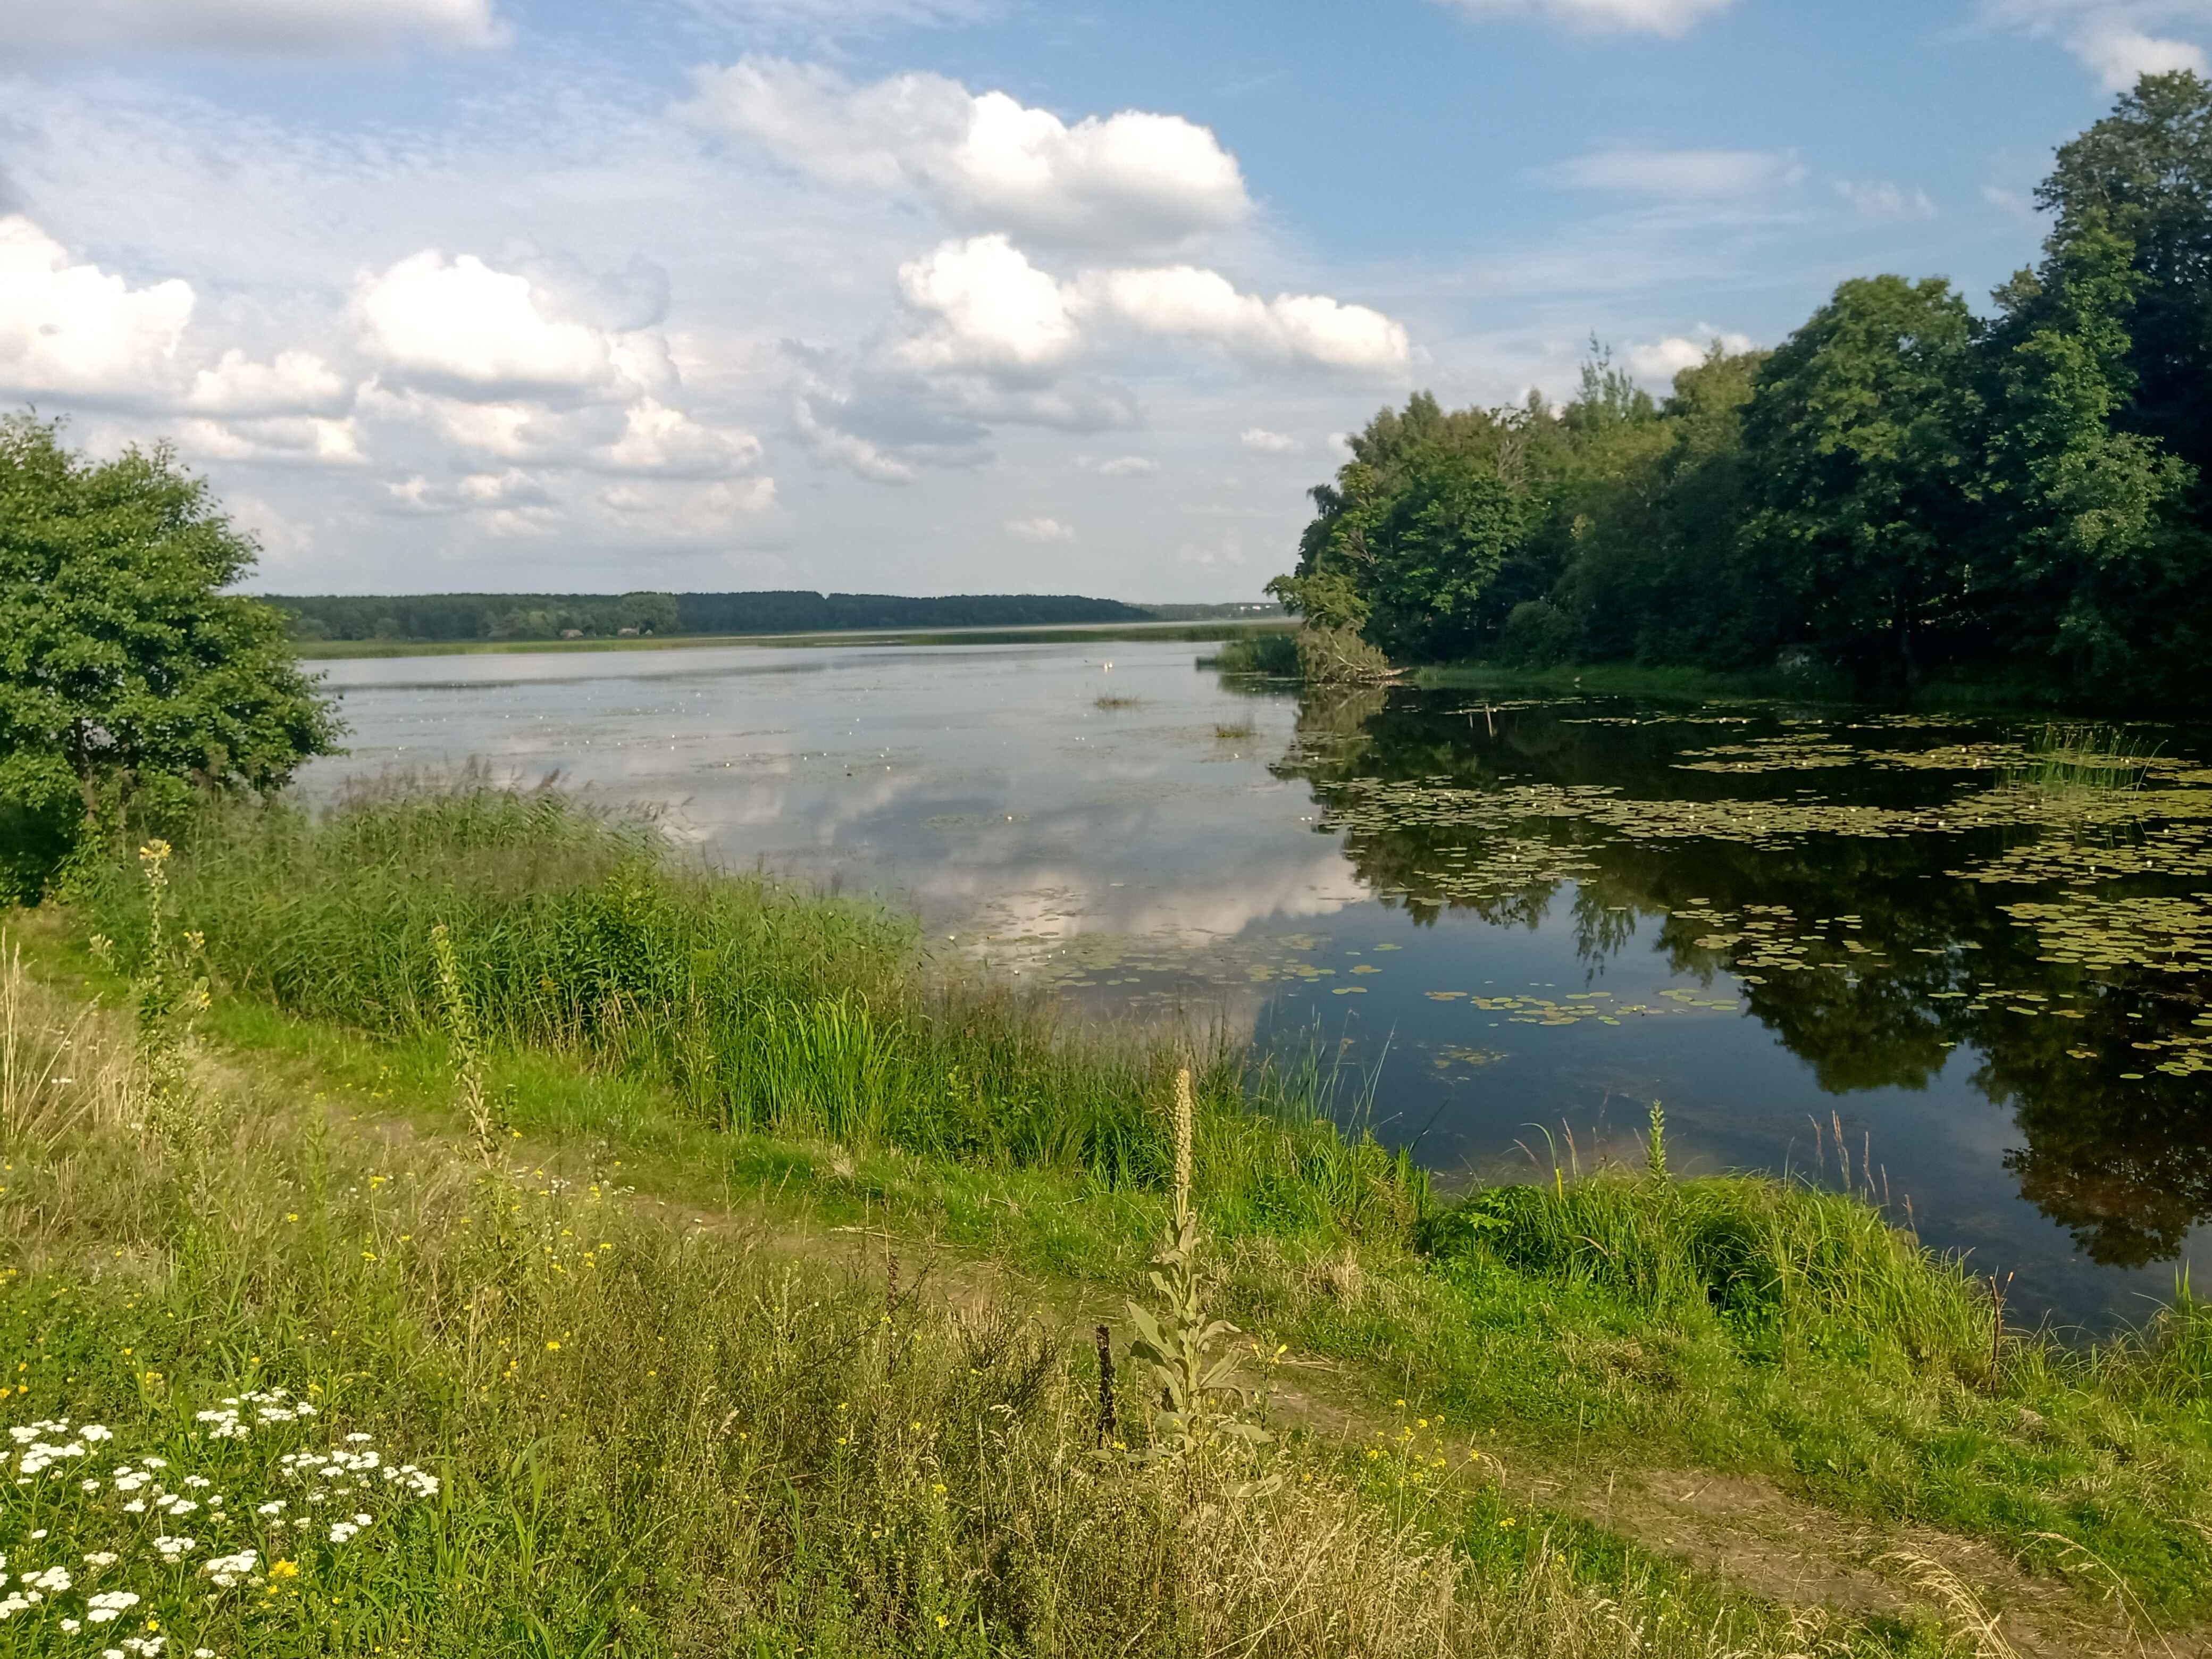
(763, 1009)
(1861, 432)
(1899, 489)
(606, 1434)
(1272, 652)
(128, 674)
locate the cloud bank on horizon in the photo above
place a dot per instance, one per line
(895, 293)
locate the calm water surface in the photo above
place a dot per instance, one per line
(1525, 920)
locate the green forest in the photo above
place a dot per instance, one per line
(1904, 489)
(457, 616)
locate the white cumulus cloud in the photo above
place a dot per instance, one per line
(258, 27)
(983, 159)
(2114, 39)
(991, 308)
(307, 440)
(295, 383)
(1661, 360)
(1183, 300)
(1266, 442)
(666, 441)
(1041, 530)
(858, 455)
(1601, 16)
(988, 308)
(78, 331)
(463, 328)
(1118, 466)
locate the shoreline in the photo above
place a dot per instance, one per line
(1196, 632)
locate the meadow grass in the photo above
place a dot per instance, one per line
(733, 1043)
(293, 1389)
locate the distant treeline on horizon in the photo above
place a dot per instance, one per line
(439, 616)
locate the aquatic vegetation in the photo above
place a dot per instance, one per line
(2087, 756)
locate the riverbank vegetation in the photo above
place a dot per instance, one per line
(803, 1061)
(294, 1387)
(1902, 490)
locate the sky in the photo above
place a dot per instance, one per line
(931, 296)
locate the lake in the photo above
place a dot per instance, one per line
(1909, 953)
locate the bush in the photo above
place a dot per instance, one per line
(1538, 635)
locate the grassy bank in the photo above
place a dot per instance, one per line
(296, 1390)
(1227, 628)
(740, 1046)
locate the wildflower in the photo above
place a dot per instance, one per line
(52, 1581)
(284, 1569)
(226, 1569)
(109, 1606)
(101, 1559)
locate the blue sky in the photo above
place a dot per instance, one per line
(941, 295)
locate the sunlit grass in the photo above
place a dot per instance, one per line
(574, 1429)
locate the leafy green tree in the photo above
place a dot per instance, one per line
(127, 675)
(1863, 433)
(2144, 175)
(1410, 543)
(1657, 570)
(2080, 507)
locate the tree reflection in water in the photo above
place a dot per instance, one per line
(1897, 958)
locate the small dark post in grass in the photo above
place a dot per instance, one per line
(1997, 1289)
(1105, 1387)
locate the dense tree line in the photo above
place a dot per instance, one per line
(455, 617)
(1902, 488)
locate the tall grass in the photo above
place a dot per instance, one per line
(640, 1441)
(766, 1008)
(2085, 756)
(1778, 1266)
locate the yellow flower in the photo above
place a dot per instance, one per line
(284, 1569)
(552, 1347)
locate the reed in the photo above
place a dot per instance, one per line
(765, 1008)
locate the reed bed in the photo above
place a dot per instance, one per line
(763, 1007)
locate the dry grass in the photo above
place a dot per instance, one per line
(654, 1441)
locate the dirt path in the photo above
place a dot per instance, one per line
(1746, 1531)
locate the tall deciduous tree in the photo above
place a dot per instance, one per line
(2143, 174)
(1863, 434)
(128, 674)
(2078, 507)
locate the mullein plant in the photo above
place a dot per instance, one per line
(485, 1119)
(168, 993)
(1207, 1400)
